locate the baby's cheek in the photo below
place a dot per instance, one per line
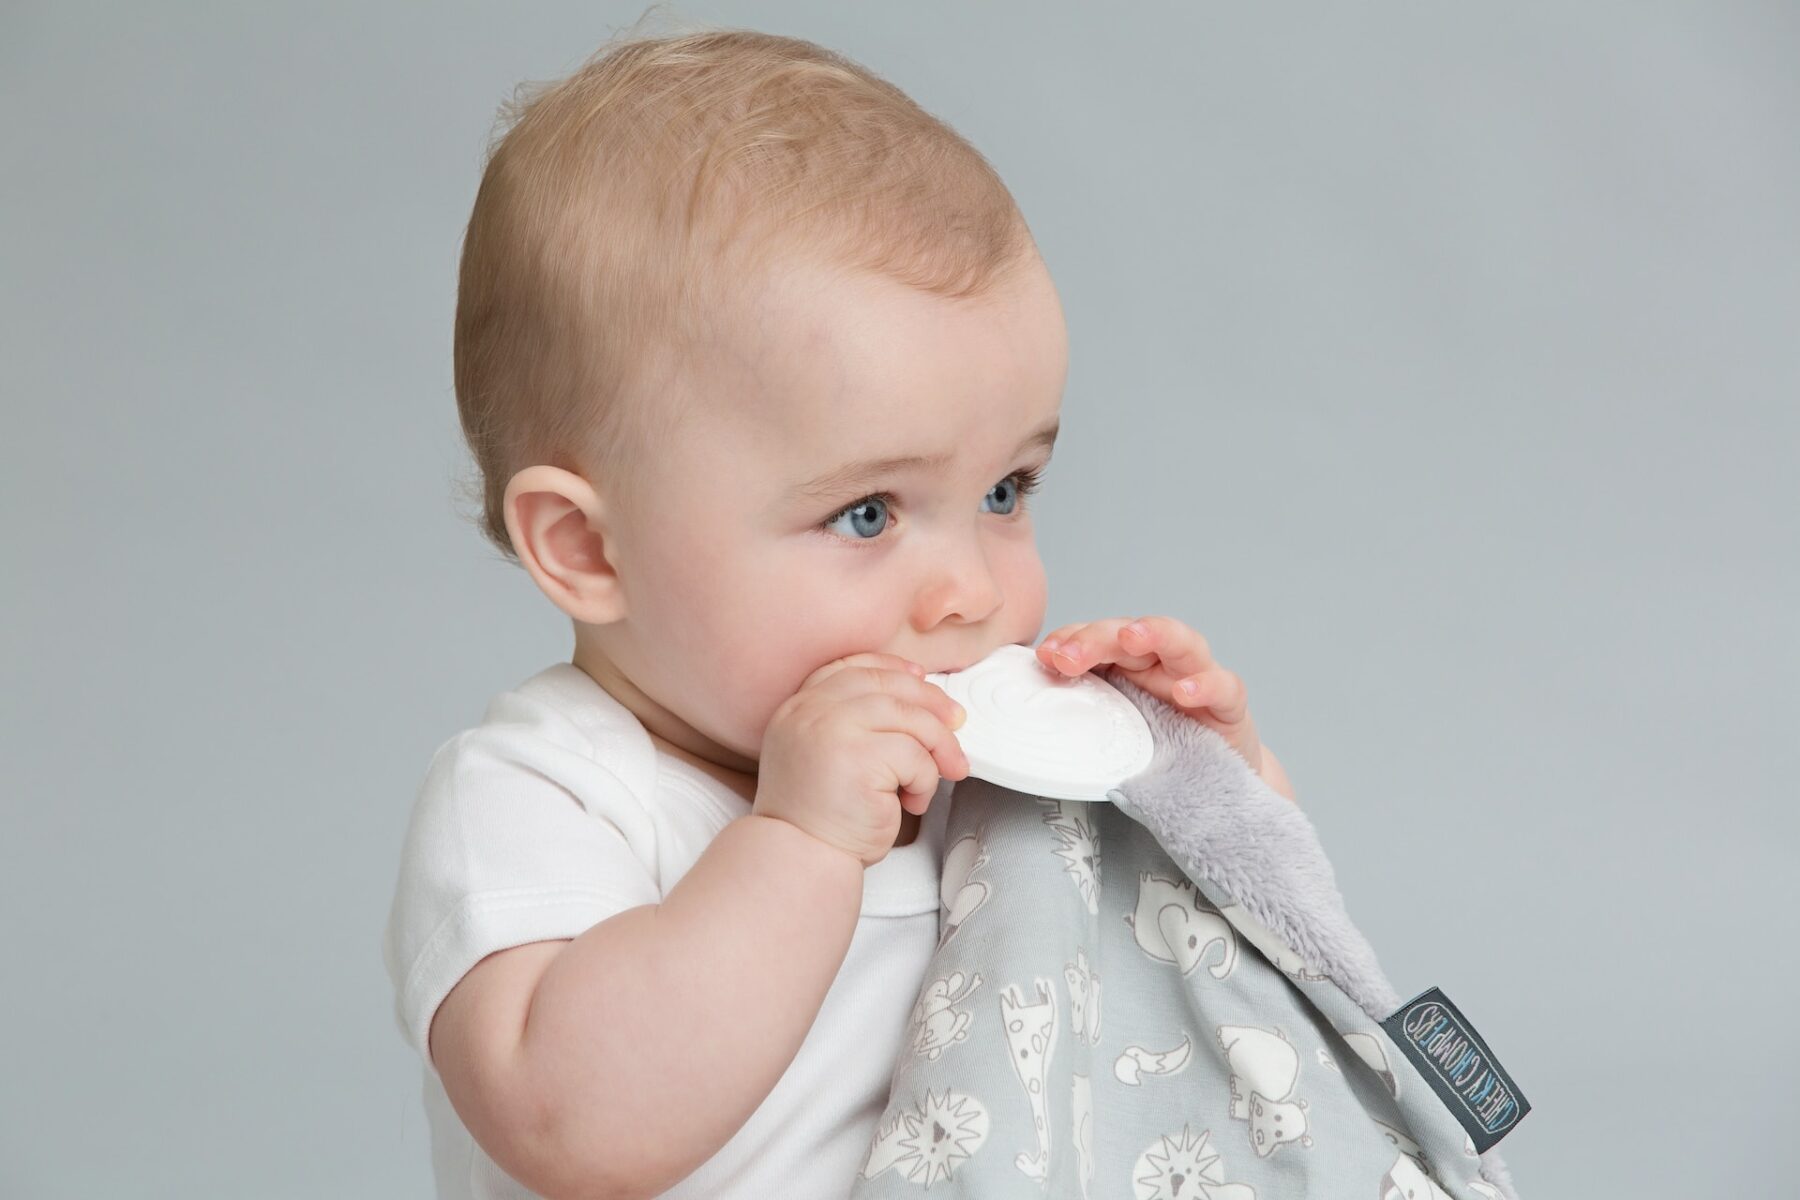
(1027, 598)
(749, 695)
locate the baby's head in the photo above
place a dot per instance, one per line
(705, 277)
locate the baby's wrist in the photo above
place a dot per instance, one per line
(800, 835)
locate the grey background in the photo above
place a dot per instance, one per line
(1437, 362)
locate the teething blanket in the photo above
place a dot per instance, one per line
(1162, 997)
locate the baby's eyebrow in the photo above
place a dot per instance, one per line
(854, 475)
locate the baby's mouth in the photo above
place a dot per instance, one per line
(963, 666)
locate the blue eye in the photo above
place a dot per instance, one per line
(870, 509)
(868, 516)
(1015, 490)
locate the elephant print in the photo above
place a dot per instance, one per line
(959, 895)
(1174, 923)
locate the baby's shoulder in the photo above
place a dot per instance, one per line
(555, 732)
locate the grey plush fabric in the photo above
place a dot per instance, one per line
(1157, 998)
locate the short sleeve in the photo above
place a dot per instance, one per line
(515, 837)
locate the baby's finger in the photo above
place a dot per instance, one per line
(861, 679)
(1220, 690)
(1095, 643)
(916, 780)
(1060, 633)
(868, 658)
(898, 714)
(1052, 642)
(1180, 649)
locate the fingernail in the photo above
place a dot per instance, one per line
(962, 715)
(1138, 629)
(1188, 688)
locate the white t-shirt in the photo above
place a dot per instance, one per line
(558, 811)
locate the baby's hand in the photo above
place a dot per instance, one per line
(1167, 659)
(865, 737)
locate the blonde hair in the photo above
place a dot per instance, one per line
(619, 204)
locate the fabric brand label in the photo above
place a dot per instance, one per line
(1440, 1042)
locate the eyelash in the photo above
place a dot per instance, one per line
(1030, 479)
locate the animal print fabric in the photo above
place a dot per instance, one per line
(1097, 1024)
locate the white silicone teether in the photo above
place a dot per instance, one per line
(1036, 731)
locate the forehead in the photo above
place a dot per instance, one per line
(829, 366)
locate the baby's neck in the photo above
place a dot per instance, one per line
(602, 672)
(667, 730)
(744, 785)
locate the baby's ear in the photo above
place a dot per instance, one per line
(558, 526)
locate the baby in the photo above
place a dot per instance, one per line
(759, 364)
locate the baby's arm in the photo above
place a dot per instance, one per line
(613, 1064)
(1275, 775)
